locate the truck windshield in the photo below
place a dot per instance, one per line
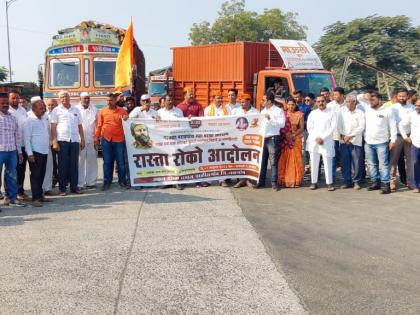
(311, 82)
(64, 73)
(157, 89)
(104, 71)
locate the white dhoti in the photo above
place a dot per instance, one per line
(328, 167)
(88, 166)
(47, 184)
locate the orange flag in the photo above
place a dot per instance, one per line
(125, 61)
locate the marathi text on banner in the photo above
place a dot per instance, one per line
(181, 151)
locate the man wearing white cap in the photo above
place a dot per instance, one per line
(88, 162)
(37, 146)
(144, 111)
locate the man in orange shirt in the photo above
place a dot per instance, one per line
(111, 134)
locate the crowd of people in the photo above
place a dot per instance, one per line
(352, 133)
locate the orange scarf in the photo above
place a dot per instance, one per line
(212, 110)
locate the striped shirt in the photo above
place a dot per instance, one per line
(9, 133)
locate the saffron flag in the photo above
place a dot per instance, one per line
(125, 61)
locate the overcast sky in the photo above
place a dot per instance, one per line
(158, 24)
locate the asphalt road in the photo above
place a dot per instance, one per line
(342, 252)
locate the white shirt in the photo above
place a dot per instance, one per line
(400, 112)
(34, 132)
(170, 114)
(411, 123)
(240, 112)
(232, 108)
(321, 124)
(68, 121)
(21, 116)
(89, 120)
(219, 111)
(351, 124)
(276, 121)
(336, 107)
(380, 125)
(139, 113)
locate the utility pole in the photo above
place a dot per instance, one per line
(8, 4)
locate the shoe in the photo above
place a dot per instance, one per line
(392, 185)
(346, 186)
(50, 193)
(62, 193)
(416, 190)
(36, 203)
(374, 186)
(124, 186)
(330, 188)
(138, 188)
(203, 184)
(275, 187)
(78, 191)
(180, 186)
(386, 189)
(106, 187)
(43, 199)
(249, 184)
(6, 201)
(23, 197)
(240, 184)
(313, 187)
(18, 203)
(356, 186)
(90, 186)
(224, 184)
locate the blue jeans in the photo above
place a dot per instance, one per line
(271, 152)
(377, 157)
(113, 151)
(10, 161)
(68, 165)
(351, 161)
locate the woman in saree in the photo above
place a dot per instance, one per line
(291, 168)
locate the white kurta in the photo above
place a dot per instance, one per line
(321, 124)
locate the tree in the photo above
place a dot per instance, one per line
(236, 24)
(3, 74)
(390, 43)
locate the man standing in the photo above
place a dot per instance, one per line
(21, 115)
(321, 125)
(10, 152)
(350, 125)
(410, 131)
(274, 120)
(67, 138)
(51, 173)
(190, 107)
(325, 92)
(216, 108)
(336, 105)
(110, 132)
(88, 157)
(380, 137)
(232, 97)
(144, 111)
(37, 146)
(400, 110)
(245, 109)
(169, 111)
(130, 104)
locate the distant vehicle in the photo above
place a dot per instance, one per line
(249, 67)
(160, 84)
(83, 58)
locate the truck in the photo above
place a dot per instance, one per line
(83, 58)
(160, 84)
(249, 67)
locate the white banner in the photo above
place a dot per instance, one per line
(297, 54)
(181, 151)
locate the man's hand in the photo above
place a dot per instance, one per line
(96, 144)
(31, 159)
(20, 158)
(408, 140)
(189, 116)
(55, 145)
(319, 141)
(125, 118)
(82, 144)
(391, 145)
(267, 116)
(158, 118)
(347, 139)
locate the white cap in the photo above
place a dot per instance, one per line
(145, 97)
(84, 94)
(35, 99)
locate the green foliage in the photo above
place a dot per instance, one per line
(236, 24)
(390, 43)
(3, 74)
